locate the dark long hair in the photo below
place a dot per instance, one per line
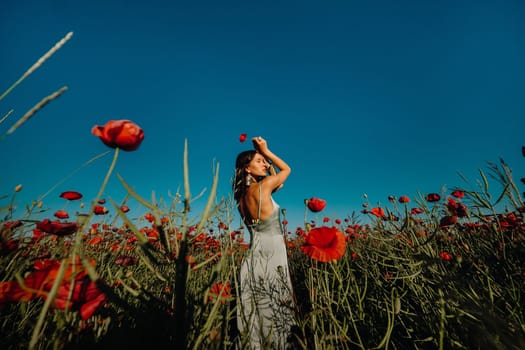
(241, 178)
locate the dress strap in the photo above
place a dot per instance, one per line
(260, 199)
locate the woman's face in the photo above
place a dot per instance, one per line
(258, 166)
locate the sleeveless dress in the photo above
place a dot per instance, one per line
(266, 301)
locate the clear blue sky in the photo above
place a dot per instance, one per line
(376, 97)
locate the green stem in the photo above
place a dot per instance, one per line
(94, 203)
(49, 299)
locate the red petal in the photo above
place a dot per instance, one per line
(71, 195)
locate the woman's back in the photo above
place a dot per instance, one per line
(266, 299)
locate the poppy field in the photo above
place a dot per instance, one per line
(430, 271)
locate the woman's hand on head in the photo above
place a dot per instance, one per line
(260, 144)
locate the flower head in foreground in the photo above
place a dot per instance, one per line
(123, 134)
(82, 295)
(57, 228)
(243, 137)
(324, 244)
(315, 204)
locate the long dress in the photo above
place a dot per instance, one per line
(265, 311)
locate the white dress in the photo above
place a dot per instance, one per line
(266, 301)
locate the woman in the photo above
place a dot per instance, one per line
(264, 315)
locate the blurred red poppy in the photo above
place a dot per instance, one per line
(123, 134)
(101, 201)
(404, 199)
(12, 224)
(243, 137)
(456, 208)
(124, 208)
(8, 245)
(95, 240)
(56, 227)
(445, 256)
(315, 204)
(458, 194)
(433, 197)
(37, 234)
(149, 216)
(448, 220)
(324, 244)
(100, 210)
(415, 211)
(379, 212)
(71, 195)
(61, 214)
(82, 295)
(220, 290)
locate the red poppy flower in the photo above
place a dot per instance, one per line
(61, 214)
(124, 208)
(448, 220)
(56, 227)
(243, 137)
(123, 134)
(433, 197)
(12, 224)
(82, 295)
(458, 194)
(404, 199)
(101, 201)
(71, 195)
(415, 211)
(456, 208)
(220, 290)
(100, 210)
(315, 204)
(37, 234)
(149, 216)
(379, 212)
(8, 246)
(324, 244)
(445, 256)
(95, 240)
